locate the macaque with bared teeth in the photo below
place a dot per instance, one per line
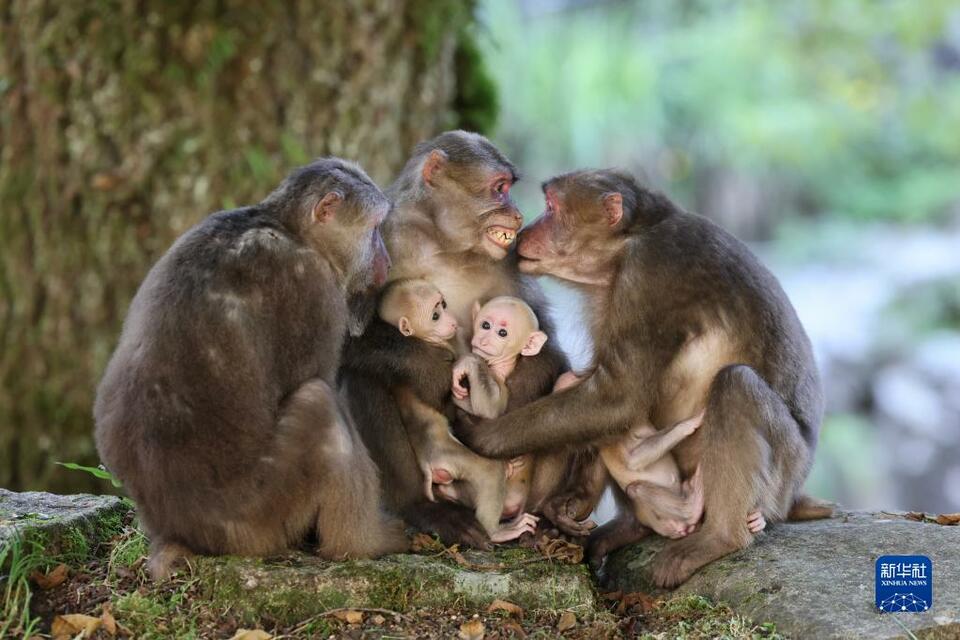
(453, 223)
(418, 310)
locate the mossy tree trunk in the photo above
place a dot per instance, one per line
(124, 122)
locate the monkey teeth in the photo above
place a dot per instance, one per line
(501, 236)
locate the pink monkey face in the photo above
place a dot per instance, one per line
(505, 328)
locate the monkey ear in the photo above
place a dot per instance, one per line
(433, 166)
(326, 208)
(475, 310)
(534, 343)
(613, 205)
(406, 328)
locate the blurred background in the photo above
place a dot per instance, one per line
(824, 133)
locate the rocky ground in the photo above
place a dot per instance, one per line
(74, 567)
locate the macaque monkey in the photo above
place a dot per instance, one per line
(218, 410)
(504, 330)
(418, 310)
(454, 223)
(642, 465)
(684, 320)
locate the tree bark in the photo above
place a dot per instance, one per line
(124, 122)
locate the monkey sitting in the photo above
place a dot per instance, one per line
(418, 310)
(504, 329)
(642, 464)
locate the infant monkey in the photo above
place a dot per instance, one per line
(417, 308)
(504, 329)
(642, 464)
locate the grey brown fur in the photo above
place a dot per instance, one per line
(684, 318)
(436, 232)
(217, 409)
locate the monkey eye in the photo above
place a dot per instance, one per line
(502, 333)
(484, 325)
(436, 316)
(501, 187)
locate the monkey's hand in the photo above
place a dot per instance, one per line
(460, 384)
(563, 510)
(756, 522)
(524, 523)
(514, 465)
(689, 426)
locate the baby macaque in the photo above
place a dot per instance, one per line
(504, 329)
(417, 308)
(642, 464)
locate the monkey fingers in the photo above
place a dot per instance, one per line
(524, 523)
(514, 465)
(756, 522)
(562, 512)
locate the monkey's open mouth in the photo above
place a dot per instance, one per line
(501, 236)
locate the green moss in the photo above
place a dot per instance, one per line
(128, 550)
(151, 617)
(395, 586)
(695, 617)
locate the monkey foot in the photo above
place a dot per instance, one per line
(676, 562)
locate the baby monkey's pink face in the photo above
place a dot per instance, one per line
(505, 328)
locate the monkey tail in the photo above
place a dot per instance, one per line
(805, 507)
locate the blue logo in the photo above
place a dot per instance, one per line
(904, 584)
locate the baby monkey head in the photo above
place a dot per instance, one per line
(505, 328)
(417, 309)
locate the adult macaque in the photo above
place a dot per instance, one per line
(453, 224)
(217, 410)
(684, 319)
(418, 310)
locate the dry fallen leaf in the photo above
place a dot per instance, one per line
(251, 634)
(378, 619)
(422, 542)
(51, 579)
(472, 630)
(559, 549)
(645, 601)
(512, 626)
(948, 518)
(503, 605)
(350, 616)
(567, 621)
(68, 626)
(108, 621)
(915, 515)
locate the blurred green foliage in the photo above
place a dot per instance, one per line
(847, 108)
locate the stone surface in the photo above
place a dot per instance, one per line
(54, 515)
(816, 579)
(296, 586)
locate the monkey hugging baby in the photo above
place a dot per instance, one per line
(268, 387)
